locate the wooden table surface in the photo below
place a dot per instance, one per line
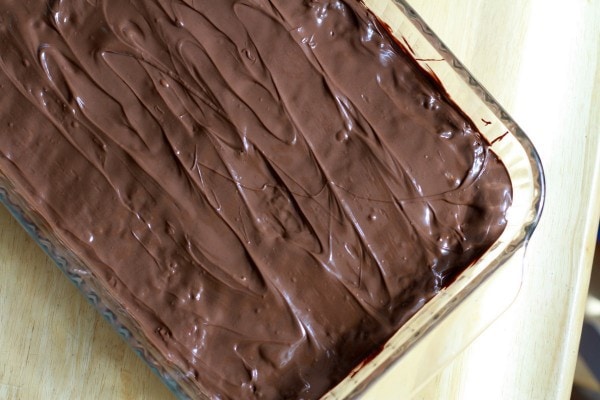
(541, 60)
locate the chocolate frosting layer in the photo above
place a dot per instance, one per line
(271, 188)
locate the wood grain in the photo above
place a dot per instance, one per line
(541, 60)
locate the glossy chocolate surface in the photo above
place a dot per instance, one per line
(270, 188)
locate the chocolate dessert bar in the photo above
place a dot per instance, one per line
(270, 188)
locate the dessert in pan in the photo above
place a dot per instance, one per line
(270, 189)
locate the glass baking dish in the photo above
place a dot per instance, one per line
(507, 141)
